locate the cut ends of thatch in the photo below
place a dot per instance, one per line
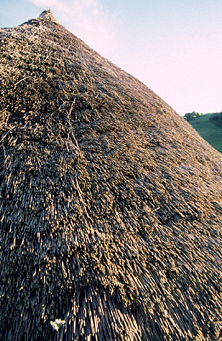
(110, 210)
(95, 315)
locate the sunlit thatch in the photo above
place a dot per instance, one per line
(110, 202)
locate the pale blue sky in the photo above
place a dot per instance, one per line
(173, 46)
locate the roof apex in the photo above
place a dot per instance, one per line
(48, 15)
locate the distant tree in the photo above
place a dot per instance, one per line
(191, 116)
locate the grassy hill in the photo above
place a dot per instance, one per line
(209, 126)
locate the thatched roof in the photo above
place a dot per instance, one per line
(110, 202)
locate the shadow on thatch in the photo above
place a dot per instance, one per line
(110, 202)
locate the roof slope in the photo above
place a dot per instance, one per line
(110, 202)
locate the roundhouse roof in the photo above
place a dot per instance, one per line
(110, 202)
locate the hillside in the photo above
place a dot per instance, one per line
(111, 203)
(209, 126)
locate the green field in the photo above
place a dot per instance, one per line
(209, 126)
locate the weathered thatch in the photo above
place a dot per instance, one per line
(110, 202)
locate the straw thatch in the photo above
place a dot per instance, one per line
(110, 202)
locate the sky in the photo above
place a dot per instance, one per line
(172, 46)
